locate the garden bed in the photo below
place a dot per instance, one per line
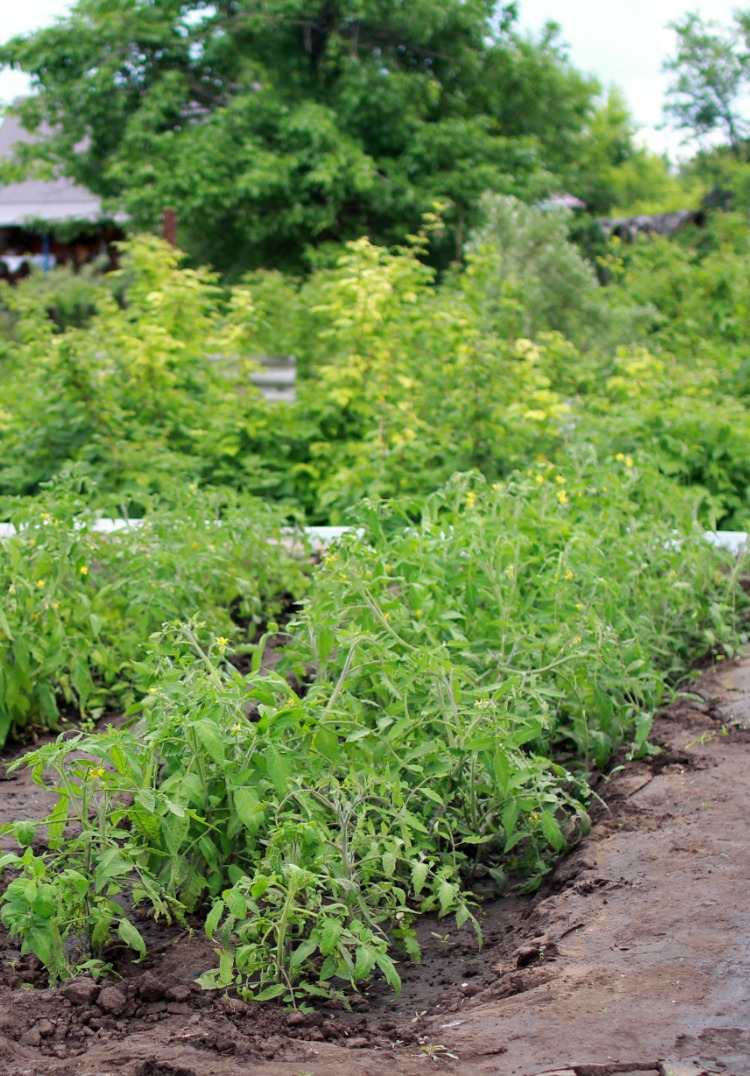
(632, 958)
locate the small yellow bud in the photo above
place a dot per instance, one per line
(83, 570)
(41, 583)
(562, 496)
(222, 643)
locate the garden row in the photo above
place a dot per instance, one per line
(531, 460)
(444, 691)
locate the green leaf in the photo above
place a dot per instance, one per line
(249, 809)
(236, 903)
(146, 799)
(501, 766)
(365, 959)
(226, 967)
(212, 919)
(279, 770)
(302, 953)
(24, 832)
(111, 865)
(210, 737)
(388, 969)
(131, 936)
(551, 830)
(509, 817)
(389, 864)
(5, 626)
(327, 742)
(330, 935)
(43, 939)
(270, 992)
(419, 872)
(446, 895)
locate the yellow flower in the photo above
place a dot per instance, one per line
(578, 639)
(510, 571)
(83, 570)
(579, 606)
(419, 614)
(539, 478)
(568, 574)
(152, 690)
(237, 729)
(628, 461)
(562, 496)
(620, 457)
(12, 588)
(55, 606)
(98, 771)
(46, 516)
(559, 479)
(222, 643)
(471, 499)
(41, 583)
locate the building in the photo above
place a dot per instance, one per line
(48, 222)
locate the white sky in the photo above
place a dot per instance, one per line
(620, 43)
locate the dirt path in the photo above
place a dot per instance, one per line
(636, 957)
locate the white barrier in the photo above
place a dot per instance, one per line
(733, 541)
(317, 535)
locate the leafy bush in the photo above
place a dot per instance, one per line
(79, 606)
(465, 663)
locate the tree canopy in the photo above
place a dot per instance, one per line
(709, 92)
(275, 127)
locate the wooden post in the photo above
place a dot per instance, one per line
(169, 226)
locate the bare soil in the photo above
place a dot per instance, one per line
(634, 958)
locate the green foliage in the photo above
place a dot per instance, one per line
(461, 662)
(531, 264)
(78, 606)
(712, 73)
(301, 124)
(452, 653)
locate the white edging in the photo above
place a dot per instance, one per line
(322, 535)
(733, 541)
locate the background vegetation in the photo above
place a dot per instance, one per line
(527, 440)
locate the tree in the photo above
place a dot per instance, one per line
(712, 76)
(277, 126)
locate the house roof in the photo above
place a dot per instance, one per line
(52, 200)
(561, 200)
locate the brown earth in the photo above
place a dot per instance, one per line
(635, 957)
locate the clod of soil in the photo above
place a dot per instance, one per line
(635, 958)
